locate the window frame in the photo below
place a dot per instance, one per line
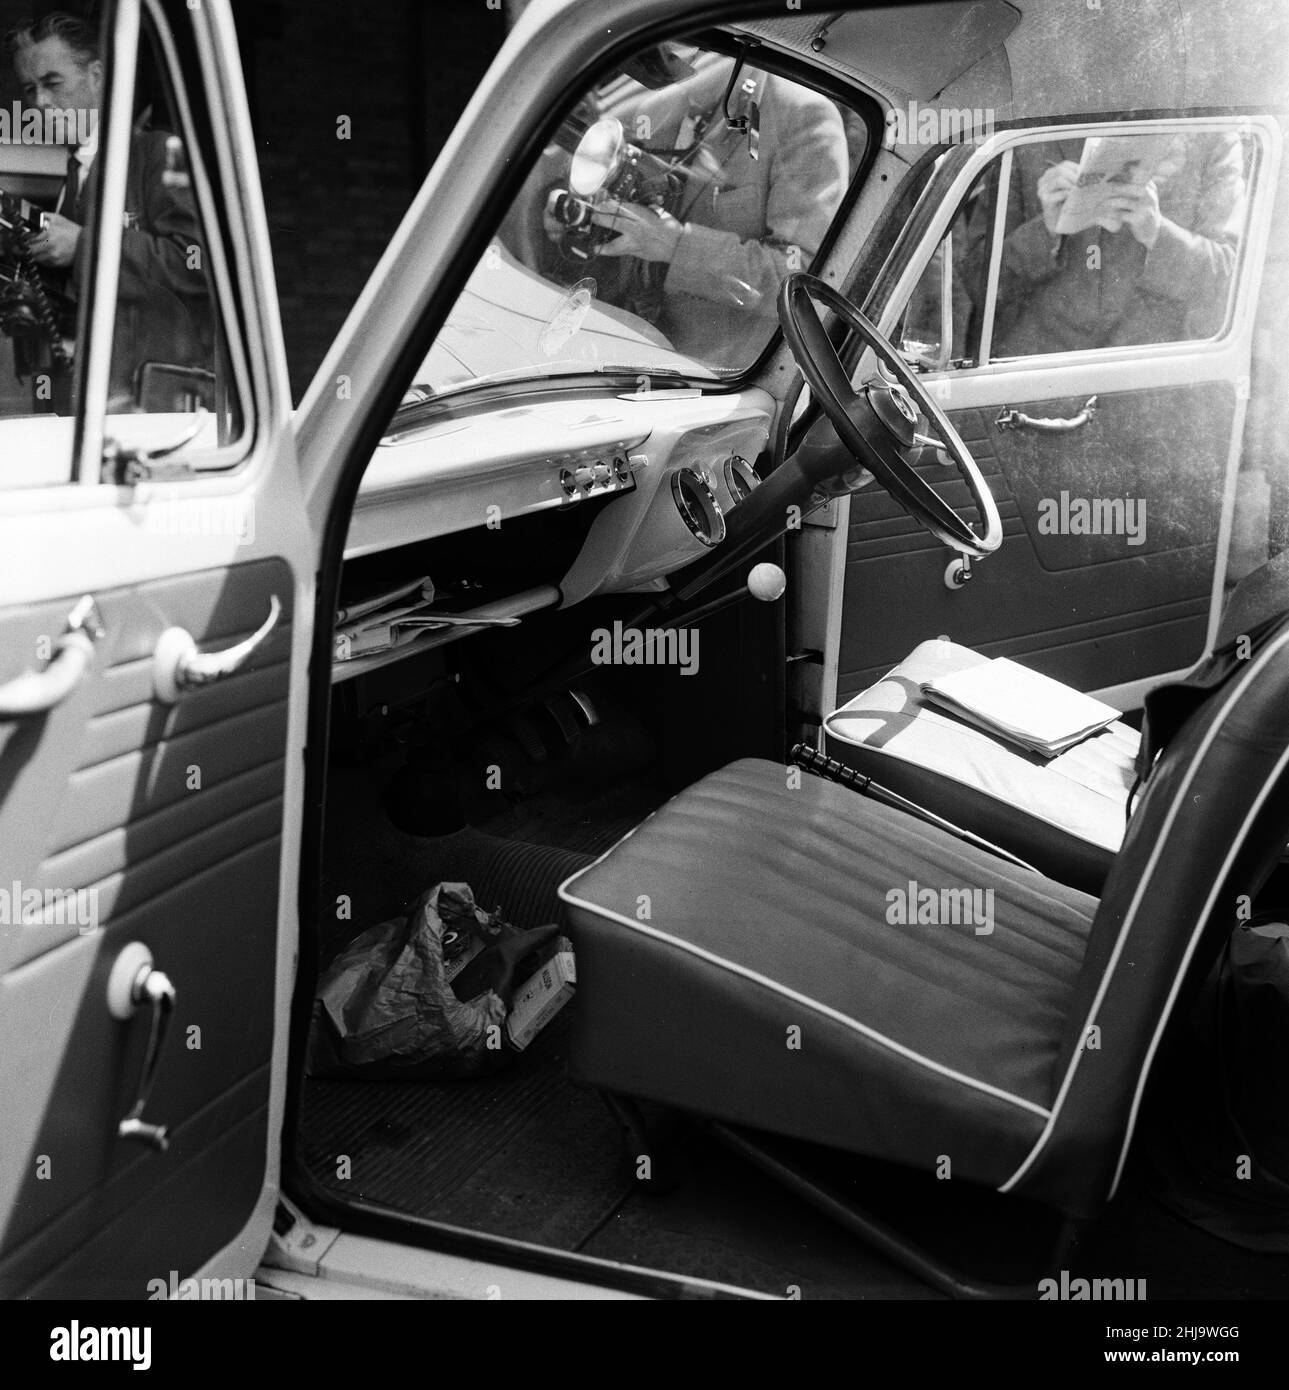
(147, 23)
(1000, 146)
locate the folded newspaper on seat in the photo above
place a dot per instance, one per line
(1009, 700)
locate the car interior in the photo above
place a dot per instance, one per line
(756, 1073)
(729, 448)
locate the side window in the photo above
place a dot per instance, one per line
(172, 354)
(1104, 241)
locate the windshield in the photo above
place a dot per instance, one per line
(652, 235)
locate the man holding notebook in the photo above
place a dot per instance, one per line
(1114, 241)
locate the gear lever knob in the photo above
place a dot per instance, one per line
(767, 582)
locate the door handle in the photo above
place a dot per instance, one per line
(177, 665)
(134, 981)
(37, 692)
(131, 464)
(1011, 419)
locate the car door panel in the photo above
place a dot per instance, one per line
(165, 821)
(1086, 609)
(1165, 450)
(160, 817)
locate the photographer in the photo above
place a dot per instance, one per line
(742, 223)
(163, 311)
(1155, 268)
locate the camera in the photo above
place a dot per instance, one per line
(605, 165)
(29, 310)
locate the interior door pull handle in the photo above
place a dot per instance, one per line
(1011, 419)
(177, 665)
(37, 692)
(134, 981)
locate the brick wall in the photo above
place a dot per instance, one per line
(401, 72)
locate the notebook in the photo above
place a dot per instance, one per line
(1007, 699)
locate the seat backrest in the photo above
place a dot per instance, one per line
(1255, 606)
(1205, 835)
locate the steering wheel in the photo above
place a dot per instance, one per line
(874, 428)
(878, 423)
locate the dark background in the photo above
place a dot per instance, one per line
(401, 70)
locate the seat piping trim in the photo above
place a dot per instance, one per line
(776, 988)
(1262, 660)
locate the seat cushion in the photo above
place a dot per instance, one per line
(1065, 815)
(746, 953)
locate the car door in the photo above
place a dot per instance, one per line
(155, 615)
(162, 530)
(1116, 461)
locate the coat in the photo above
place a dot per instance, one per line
(1098, 288)
(163, 298)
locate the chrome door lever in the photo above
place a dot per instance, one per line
(177, 665)
(37, 692)
(1010, 419)
(133, 982)
(131, 464)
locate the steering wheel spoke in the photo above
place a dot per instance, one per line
(881, 425)
(916, 496)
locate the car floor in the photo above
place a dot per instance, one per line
(527, 1154)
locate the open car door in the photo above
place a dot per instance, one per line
(163, 523)
(1113, 437)
(155, 615)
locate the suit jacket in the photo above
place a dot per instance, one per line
(163, 301)
(754, 223)
(1055, 295)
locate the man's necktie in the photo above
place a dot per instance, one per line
(71, 187)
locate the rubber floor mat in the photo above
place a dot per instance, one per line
(523, 1153)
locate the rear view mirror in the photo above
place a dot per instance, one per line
(164, 388)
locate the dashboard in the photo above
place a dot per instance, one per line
(633, 487)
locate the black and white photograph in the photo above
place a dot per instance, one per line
(644, 656)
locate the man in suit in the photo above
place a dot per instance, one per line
(163, 303)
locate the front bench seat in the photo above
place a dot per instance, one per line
(737, 959)
(1065, 815)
